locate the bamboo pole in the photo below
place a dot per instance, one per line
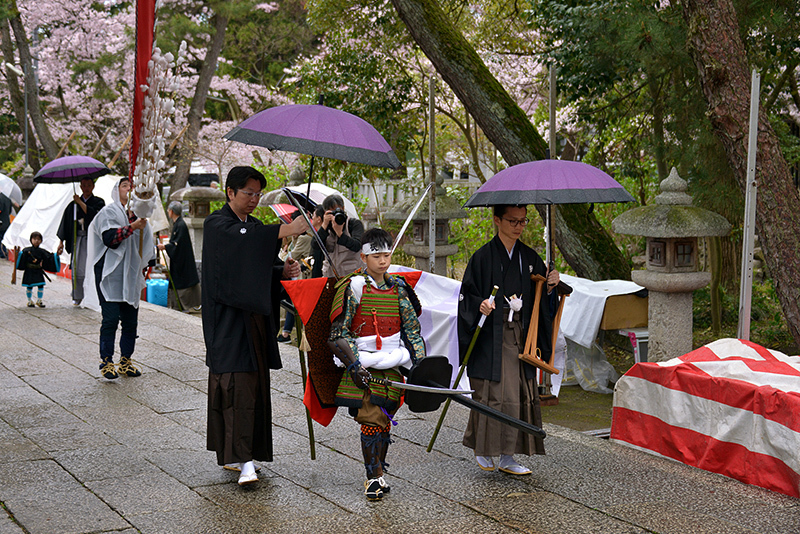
(177, 138)
(64, 148)
(99, 143)
(125, 144)
(14, 269)
(309, 423)
(461, 370)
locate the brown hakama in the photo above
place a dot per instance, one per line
(513, 395)
(189, 298)
(240, 409)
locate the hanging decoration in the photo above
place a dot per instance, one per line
(157, 125)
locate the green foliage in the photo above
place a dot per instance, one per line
(260, 45)
(355, 74)
(790, 143)
(767, 324)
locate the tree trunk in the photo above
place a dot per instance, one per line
(185, 154)
(42, 131)
(719, 54)
(17, 102)
(583, 242)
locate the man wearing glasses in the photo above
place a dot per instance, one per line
(500, 379)
(241, 292)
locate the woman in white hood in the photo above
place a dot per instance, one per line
(115, 280)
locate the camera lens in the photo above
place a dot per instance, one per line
(340, 217)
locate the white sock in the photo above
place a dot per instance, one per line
(506, 459)
(248, 468)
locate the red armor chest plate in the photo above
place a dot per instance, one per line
(377, 313)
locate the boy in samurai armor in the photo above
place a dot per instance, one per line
(375, 330)
(35, 260)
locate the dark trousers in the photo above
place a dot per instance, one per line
(115, 313)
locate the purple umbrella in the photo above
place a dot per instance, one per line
(70, 169)
(549, 181)
(317, 131)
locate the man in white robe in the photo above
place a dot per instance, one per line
(120, 247)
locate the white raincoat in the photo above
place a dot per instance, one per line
(122, 279)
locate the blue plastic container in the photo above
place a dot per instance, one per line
(157, 290)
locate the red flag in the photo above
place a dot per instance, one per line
(304, 294)
(319, 414)
(145, 27)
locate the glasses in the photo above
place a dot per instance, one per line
(517, 222)
(250, 194)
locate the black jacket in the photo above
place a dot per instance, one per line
(181, 266)
(65, 230)
(485, 270)
(241, 278)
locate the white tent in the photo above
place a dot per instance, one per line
(43, 209)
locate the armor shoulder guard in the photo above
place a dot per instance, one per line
(402, 283)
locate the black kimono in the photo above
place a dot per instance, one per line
(35, 261)
(5, 214)
(484, 270)
(181, 266)
(241, 294)
(74, 213)
(496, 374)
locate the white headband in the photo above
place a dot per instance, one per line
(369, 248)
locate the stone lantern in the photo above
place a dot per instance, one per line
(446, 208)
(672, 227)
(199, 199)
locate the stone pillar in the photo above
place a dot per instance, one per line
(669, 311)
(422, 260)
(446, 209)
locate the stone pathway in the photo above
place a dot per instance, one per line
(80, 454)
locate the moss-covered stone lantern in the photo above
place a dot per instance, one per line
(446, 208)
(672, 227)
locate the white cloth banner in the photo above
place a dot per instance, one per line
(439, 298)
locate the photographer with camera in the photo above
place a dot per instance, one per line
(342, 237)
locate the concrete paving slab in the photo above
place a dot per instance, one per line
(169, 436)
(541, 511)
(16, 447)
(79, 453)
(104, 462)
(208, 520)
(45, 498)
(8, 379)
(67, 437)
(163, 394)
(145, 494)
(672, 518)
(8, 526)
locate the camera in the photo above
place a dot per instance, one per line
(339, 216)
